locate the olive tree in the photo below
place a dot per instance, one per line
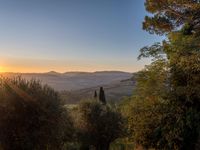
(98, 124)
(32, 116)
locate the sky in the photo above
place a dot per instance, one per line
(72, 35)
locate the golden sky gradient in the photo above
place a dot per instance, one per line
(76, 36)
(29, 65)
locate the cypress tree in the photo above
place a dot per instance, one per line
(102, 97)
(95, 94)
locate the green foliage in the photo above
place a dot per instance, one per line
(170, 15)
(160, 116)
(148, 104)
(164, 112)
(155, 51)
(98, 125)
(31, 116)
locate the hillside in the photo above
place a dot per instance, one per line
(114, 92)
(75, 86)
(71, 81)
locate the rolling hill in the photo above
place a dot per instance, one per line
(75, 86)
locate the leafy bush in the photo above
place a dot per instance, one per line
(98, 125)
(32, 116)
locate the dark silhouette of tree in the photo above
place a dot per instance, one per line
(32, 116)
(95, 94)
(102, 97)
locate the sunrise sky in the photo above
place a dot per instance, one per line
(72, 35)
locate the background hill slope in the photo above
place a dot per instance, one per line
(75, 86)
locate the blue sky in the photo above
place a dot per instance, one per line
(72, 35)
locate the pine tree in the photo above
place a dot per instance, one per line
(166, 99)
(102, 97)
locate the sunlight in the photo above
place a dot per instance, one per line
(2, 69)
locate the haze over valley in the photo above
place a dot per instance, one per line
(77, 86)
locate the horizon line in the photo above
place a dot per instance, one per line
(52, 71)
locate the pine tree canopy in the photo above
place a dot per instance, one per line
(171, 15)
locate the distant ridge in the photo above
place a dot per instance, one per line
(53, 72)
(68, 72)
(75, 80)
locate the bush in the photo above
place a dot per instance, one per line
(32, 116)
(99, 125)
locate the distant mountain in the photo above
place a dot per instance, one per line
(52, 73)
(77, 86)
(73, 81)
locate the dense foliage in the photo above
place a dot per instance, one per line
(164, 112)
(171, 15)
(31, 116)
(98, 125)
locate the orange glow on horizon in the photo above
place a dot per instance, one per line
(2, 69)
(42, 65)
(64, 69)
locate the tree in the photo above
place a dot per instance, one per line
(32, 116)
(172, 15)
(95, 94)
(164, 111)
(148, 105)
(167, 91)
(102, 97)
(98, 125)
